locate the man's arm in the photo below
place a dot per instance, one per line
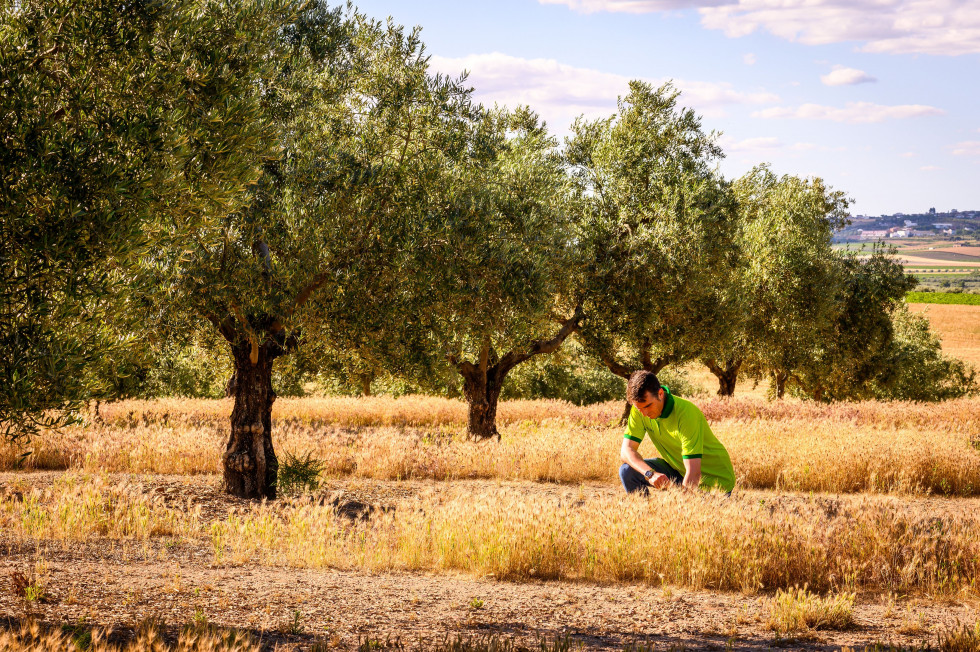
(692, 477)
(628, 453)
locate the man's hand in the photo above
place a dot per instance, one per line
(659, 481)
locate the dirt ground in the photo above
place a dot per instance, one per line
(119, 585)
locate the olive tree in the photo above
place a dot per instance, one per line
(119, 121)
(490, 277)
(652, 222)
(915, 368)
(362, 133)
(852, 350)
(789, 285)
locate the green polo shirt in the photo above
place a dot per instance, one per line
(681, 432)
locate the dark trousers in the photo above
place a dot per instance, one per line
(633, 480)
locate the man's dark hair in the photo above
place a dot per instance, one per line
(641, 383)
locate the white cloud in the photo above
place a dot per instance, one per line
(944, 27)
(841, 76)
(854, 112)
(749, 145)
(749, 59)
(907, 154)
(560, 92)
(967, 148)
(930, 168)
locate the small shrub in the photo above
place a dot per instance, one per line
(299, 474)
(680, 383)
(200, 618)
(295, 624)
(799, 610)
(28, 586)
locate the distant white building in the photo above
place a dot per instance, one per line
(873, 235)
(943, 225)
(901, 233)
(911, 223)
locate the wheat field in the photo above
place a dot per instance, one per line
(860, 447)
(958, 326)
(748, 543)
(849, 501)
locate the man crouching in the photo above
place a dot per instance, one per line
(690, 454)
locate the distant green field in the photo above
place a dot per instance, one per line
(943, 297)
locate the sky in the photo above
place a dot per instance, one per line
(880, 98)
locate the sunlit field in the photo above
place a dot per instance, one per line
(847, 518)
(748, 543)
(958, 326)
(865, 447)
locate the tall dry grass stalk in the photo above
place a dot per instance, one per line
(30, 637)
(862, 447)
(673, 538)
(86, 507)
(701, 541)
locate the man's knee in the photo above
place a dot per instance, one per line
(624, 472)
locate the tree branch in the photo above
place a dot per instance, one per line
(512, 358)
(614, 366)
(645, 354)
(713, 366)
(485, 355)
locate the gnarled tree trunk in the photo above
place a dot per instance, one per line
(250, 464)
(779, 379)
(482, 392)
(484, 379)
(727, 374)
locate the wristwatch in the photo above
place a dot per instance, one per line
(648, 475)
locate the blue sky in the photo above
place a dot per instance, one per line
(879, 97)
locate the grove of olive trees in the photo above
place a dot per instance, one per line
(266, 178)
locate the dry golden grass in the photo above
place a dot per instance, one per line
(32, 638)
(799, 610)
(876, 447)
(80, 507)
(958, 326)
(961, 639)
(699, 541)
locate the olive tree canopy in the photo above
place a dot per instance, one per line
(490, 280)
(789, 282)
(362, 135)
(652, 223)
(119, 121)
